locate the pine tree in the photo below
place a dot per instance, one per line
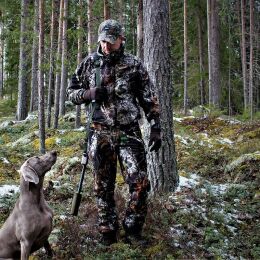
(162, 167)
(34, 83)
(22, 109)
(41, 77)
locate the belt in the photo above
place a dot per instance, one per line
(99, 126)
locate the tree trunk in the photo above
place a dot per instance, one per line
(106, 10)
(251, 62)
(209, 49)
(22, 109)
(229, 64)
(91, 33)
(133, 19)
(53, 48)
(214, 55)
(64, 69)
(1, 57)
(34, 83)
(162, 167)
(121, 12)
(140, 38)
(58, 73)
(201, 58)
(243, 54)
(79, 59)
(41, 77)
(185, 58)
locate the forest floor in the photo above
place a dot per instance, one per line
(213, 214)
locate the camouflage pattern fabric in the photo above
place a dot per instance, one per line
(106, 146)
(129, 88)
(128, 85)
(109, 31)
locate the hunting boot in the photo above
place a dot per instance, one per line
(109, 238)
(135, 239)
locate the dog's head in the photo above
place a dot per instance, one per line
(36, 167)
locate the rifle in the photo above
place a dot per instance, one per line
(84, 161)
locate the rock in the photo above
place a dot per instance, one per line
(6, 124)
(242, 160)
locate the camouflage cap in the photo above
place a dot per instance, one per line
(109, 30)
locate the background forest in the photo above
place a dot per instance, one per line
(203, 57)
(227, 76)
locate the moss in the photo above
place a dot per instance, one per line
(253, 134)
(155, 250)
(50, 143)
(69, 151)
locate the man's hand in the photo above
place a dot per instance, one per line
(99, 95)
(155, 138)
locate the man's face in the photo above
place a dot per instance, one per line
(108, 47)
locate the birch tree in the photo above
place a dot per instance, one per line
(162, 168)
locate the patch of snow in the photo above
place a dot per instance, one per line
(185, 140)
(190, 244)
(81, 129)
(178, 119)
(186, 182)
(232, 121)
(63, 131)
(58, 141)
(231, 229)
(219, 189)
(242, 159)
(224, 141)
(4, 160)
(6, 124)
(8, 189)
(30, 117)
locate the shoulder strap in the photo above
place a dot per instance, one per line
(96, 59)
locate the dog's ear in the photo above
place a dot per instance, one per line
(29, 174)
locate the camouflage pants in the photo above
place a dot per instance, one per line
(106, 147)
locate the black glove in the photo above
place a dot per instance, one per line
(101, 95)
(98, 94)
(155, 138)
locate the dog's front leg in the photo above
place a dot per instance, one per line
(48, 249)
(25, 249)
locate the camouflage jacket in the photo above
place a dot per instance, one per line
(128, 84)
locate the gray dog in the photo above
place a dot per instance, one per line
(29, 225)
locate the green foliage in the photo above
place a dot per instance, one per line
(7, 108)
(6, 205)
